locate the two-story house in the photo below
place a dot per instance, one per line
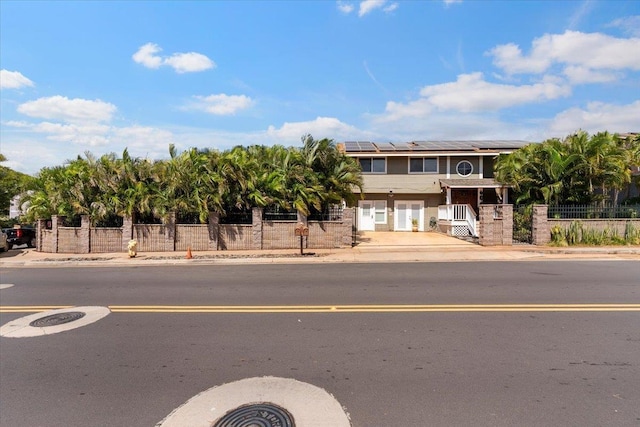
(433, 182)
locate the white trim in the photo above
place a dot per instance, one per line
(448, 167)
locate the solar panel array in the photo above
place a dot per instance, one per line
(354, 146)
(371, 147)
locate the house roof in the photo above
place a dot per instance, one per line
(417, 147)
(470, 183)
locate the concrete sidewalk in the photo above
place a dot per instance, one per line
(376, 247)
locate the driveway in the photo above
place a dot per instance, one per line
(397, 238)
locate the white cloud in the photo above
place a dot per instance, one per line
(75, 110)
(630, 25)
(590, 50)
(321, 127)
(450, 2)
(345, 7)
(390, 8)
(181, 62)
(221, 104)
(189, 62)
(596, 117)
(13, 80)
(583, 10)
(62, 141)
(368, 6)
(470, 92)
(146, 56)
(581, 75)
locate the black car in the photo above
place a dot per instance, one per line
(22, 235)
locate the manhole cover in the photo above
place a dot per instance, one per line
(256, 415)
(57, 319)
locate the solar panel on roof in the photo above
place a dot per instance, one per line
(386, 146)
(351, 146)
(366, 146)
(421, 146)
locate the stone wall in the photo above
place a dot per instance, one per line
(496, 225)
(179, 237)
(105, 239)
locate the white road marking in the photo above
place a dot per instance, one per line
(309, 405)
(20, 328)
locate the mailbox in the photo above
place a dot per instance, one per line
(302, 230)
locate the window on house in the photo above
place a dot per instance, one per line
(380, 211)
(464, 168)
(373, 164)
(423, 165)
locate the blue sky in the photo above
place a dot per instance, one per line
(102, 76)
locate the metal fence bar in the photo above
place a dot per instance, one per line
(594, 211)
(332, 213)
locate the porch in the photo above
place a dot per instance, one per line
(458, 220)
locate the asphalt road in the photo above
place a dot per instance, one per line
(455, 362)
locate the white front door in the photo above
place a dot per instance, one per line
(405, 212)
(366, 217)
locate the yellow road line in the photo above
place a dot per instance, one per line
(372, 308)
(395, 308)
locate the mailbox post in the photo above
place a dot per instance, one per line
(302, 231)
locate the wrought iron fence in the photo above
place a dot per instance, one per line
(330, 213)
(237, 217)
(594, 211)
(278, 213)
(522, 225)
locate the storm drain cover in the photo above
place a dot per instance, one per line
(57, 319)
(53, 321)
(256, 415)
(260, 402)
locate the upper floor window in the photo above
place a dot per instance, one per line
(464, 168)
(423, 165)
(373, 164)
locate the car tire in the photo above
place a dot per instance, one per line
(32, 243)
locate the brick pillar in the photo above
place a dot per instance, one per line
(214, 230)
(486, 225)
(40, 227)
(507, 225)
(540, 232)
(85, 234)
(127, 232)
(347, 227)
(170, 233)
(56, 222)
(256, 223)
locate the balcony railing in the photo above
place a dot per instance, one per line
(461, 218)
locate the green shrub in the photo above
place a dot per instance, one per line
(558, 236)
(574, 233)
